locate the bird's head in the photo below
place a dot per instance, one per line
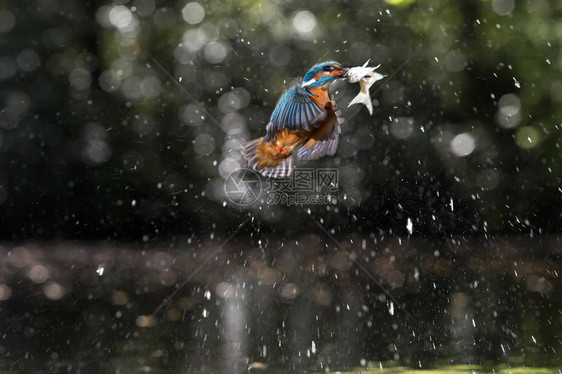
(324, 73)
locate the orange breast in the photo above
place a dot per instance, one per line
(267, 154)
(288, 138)
(320, 97)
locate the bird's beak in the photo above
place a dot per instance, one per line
(342, 72)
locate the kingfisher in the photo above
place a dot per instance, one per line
(305, 120)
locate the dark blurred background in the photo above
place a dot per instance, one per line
(121, 119)
(121, 251)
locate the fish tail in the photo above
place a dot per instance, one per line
(256, 153)
(363, 98)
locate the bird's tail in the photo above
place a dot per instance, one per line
(363, 98)
(255, 152)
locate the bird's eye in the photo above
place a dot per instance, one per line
(328, 68)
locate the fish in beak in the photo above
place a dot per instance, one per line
(366, 76)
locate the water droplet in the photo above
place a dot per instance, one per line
(410, 226)
(100, 270)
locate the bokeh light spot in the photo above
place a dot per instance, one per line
(304, 22)
(191, 115)
(463, 144)
(400, 2)
(402, 127)
(227, 165)
(102, 16)
(503, 7)
(28, 60)
(146, 321)
(174, 314)
(18, 103)
(80, 79)
(7, 21)
(182, 54)
(38, 273)
(204, 144)
(5, 292)
(120, 16)
(186, 303)
(120, 298)
(95, 149)
(215, 52)
(193, 40)
(290, 291)
(97, 152)
(235, 100)
(508, 115)
(54, 291)
(234, 125)
(109, 81)
(527, 137)
(151, 87)
(193, 13)
(224, 290)
(131, 88)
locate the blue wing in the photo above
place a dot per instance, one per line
(294, 111)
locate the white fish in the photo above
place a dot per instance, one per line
(366, 76)
(355, 74)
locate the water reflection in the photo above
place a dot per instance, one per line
(304, 307)
(234, 334)
(462, 328)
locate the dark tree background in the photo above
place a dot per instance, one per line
(122, 119)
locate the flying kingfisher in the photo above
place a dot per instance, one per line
(305, 117)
